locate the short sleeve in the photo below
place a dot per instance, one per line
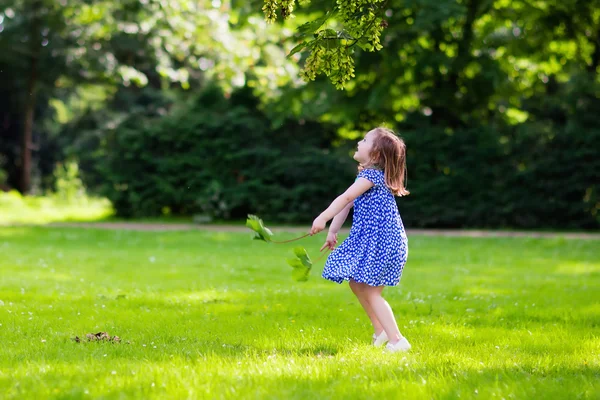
(373, 175)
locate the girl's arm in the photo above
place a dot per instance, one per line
(334, 228)
(360, 186)
(339, 219)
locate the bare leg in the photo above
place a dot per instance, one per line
(383, 312)
(358, 290)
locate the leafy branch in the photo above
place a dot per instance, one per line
(331, 51)
(261, 232)
(301, 264)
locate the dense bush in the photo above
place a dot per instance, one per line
(222, 157)
(524, 178)
(542, 173)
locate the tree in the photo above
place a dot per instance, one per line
(28, 23)
(458, 62)
(71, 48)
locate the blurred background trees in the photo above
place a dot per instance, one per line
(192, 107)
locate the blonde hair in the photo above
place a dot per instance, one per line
(389, 153)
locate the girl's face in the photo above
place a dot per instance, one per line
(363, 152)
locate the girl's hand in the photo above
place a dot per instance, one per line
(318, 225)
(330, 242)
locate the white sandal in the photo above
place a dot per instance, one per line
(402, 345)
(380, 340)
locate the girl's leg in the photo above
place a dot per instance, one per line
(358, 290)
(383, 312)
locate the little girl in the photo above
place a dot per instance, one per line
(375, 252)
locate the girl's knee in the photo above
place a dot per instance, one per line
(369, 293)
(372, 292)
(355, 286)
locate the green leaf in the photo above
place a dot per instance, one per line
(310, 27)
(260, 231)
(296, 49)
(365, 44)
(301, 264)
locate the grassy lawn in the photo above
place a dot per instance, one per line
(216, 315)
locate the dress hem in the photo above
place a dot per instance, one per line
(341, 279)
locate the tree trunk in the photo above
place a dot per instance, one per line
(26, 145)
(27, 131)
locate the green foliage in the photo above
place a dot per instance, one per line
(260, 231)
(65, 58)
(18, 209)
(331, 50)
(520, 178)
(301, 264)
(68, 184)
(271, 7)
(11, 200)
(495, 100)
(220, 156)
(492, 97)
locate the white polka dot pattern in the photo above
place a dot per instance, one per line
(377, 248)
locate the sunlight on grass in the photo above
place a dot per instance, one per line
(15, 209)
(577, 268)
(203, 297)
(217, 315)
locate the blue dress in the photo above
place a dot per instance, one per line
(377, 248)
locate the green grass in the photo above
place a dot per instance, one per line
(216, 315)
(17, 209)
